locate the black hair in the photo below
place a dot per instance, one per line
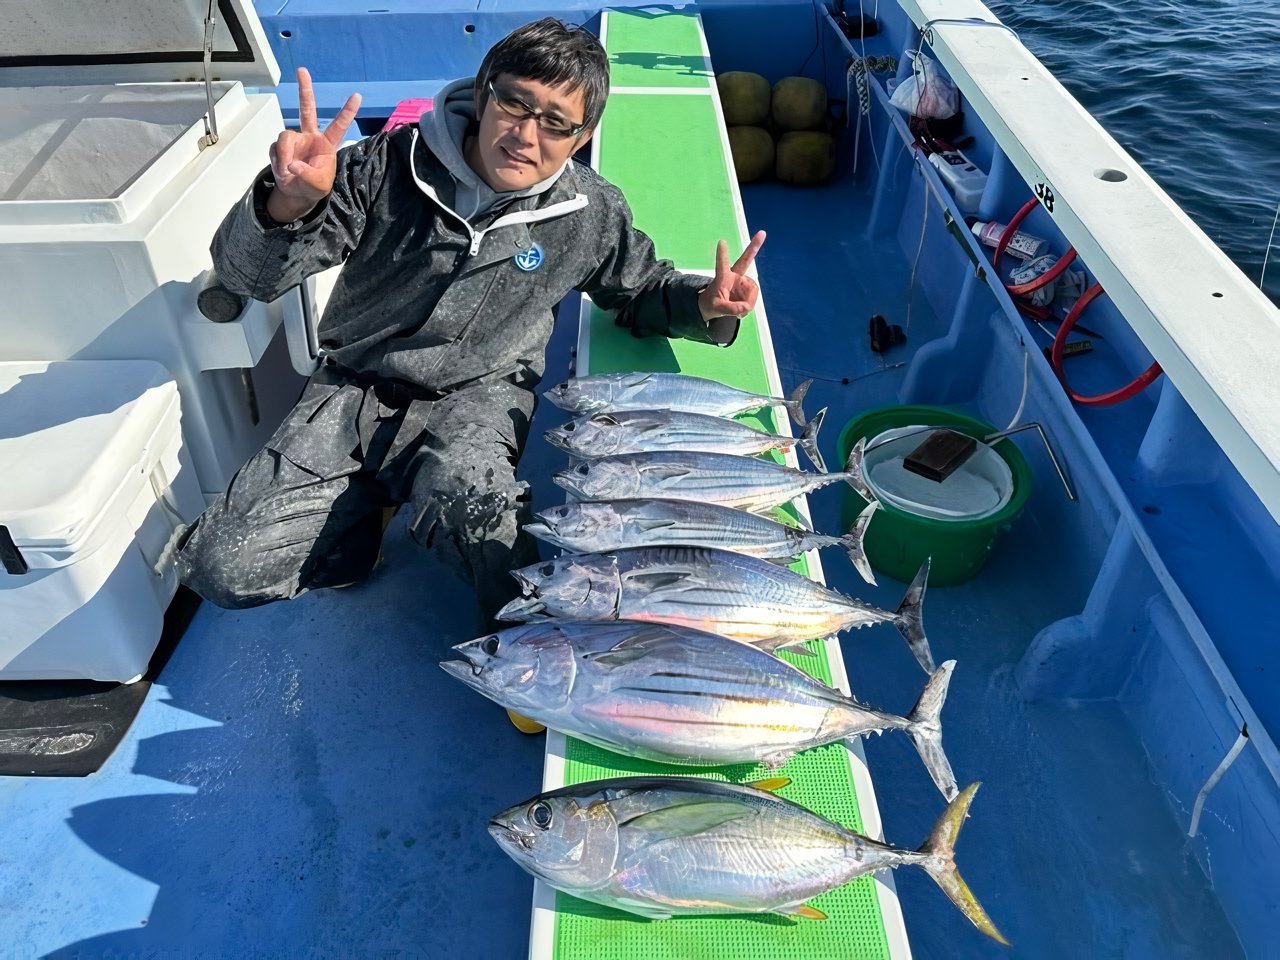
(553, 53)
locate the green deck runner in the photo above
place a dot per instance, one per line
(666, 152)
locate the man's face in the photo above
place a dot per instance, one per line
(515, 153)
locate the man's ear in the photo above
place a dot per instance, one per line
(583, 139)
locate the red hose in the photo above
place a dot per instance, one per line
(1133, 387)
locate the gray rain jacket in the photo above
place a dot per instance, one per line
(430, 300)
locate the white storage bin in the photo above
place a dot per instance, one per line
(110, 193)
(94, 481)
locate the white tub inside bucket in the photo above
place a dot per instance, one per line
(978, 488)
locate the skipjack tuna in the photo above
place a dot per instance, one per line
(612, 392)
(747, 483)
(712, 590)
(619, 524)
(638, 431)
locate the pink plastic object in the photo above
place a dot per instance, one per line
(407, 111)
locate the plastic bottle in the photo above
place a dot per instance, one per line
(1023, 246)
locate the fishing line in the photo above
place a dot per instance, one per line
(817, 41)
(841, 380)
(864, 88)
(1267, 256)
(911, 284)
(1026, 383)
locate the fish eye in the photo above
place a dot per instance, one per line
(540, 815)
(582, 469)
(490, 646)
(547, 569)
(563, 386)
(569, 427)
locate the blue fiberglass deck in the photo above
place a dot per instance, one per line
(303, 779)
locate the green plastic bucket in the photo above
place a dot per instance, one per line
(897, 541)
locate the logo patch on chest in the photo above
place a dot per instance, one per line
(529, 259)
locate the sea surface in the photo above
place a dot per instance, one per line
(1191, 89)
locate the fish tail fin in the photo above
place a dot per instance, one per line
(809, 440)
(793, 403)
(925, 729)
(855, 472)
(853, 541)
(910, 619)
(940, 850)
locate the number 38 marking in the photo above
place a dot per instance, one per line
(1045, 194)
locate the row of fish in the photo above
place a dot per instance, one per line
(654, 637)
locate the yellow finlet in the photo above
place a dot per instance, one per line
(771, 784)
(809, 913)
(524, 724)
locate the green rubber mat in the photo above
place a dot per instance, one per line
(658, 147)
(655, 51)
(666, 153)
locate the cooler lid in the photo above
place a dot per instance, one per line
(72, 434)
(61, 42)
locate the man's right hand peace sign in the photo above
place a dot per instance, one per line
(304, 162)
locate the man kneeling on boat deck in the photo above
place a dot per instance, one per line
(459, 236)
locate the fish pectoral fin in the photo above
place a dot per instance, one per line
(770, 785)
(616, 657)
(645, 378)
(643, 642)
(689, 819)
(666, 474)
(802, 910)
(653, 523)
(656, 580)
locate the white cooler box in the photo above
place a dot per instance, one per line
(94, 482)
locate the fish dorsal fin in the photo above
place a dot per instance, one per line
(803, 910)
(689, 819)
(770, 785)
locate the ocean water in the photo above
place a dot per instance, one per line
(1190, 89)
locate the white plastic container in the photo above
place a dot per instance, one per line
(982, 485)
(110, 192)
(963, 178)
(95, 482)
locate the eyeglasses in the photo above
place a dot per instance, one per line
(518, 110)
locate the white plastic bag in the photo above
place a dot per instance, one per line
(926, 93)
